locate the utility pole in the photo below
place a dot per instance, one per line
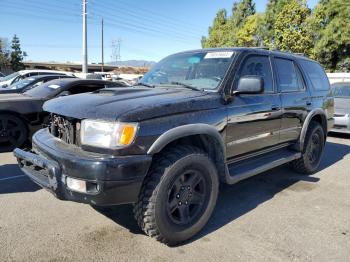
(85, 53)
(102, 51)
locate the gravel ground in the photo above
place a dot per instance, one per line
(275, 216)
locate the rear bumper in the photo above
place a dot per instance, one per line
(115, 180)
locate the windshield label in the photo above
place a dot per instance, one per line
(218, 55)
(54, 86)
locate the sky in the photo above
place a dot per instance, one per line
(51, 30)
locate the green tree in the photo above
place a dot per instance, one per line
(224, 29)
(273, 8)
(250, 33)
(4, 54)
(330, 25)
(240, 13)
(16, 54)
(218, 32)
(292, 31)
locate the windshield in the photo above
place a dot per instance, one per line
(44, 90)
(341, 90)
(9, 77)
(22, 83)
(199, 70)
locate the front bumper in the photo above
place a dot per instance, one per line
(341, 123)
(116, 179)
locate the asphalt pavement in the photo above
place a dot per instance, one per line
(275, 216)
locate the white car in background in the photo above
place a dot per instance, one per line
(17, 76)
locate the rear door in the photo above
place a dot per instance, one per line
(295, 98)
(254, 120)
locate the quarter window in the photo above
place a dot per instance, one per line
(289, 77)
(316, 75)
(258, 66)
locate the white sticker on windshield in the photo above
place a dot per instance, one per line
(54, 86)
(223, 54)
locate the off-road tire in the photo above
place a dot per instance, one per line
(305, 165)
(152, 209)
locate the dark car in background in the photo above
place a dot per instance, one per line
(22, 114)
(341, 92)
(29, 83)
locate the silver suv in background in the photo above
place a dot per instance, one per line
(341, 92)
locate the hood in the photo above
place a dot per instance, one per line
(129, 104)
(20, 103)
(342, 105)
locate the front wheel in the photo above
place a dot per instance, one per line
(178, 195)
(312, 152)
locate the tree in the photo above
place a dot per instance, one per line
(16, 54)
(240, 13)
(249, 34)
(4, 54)
(273, 8)
(218, 32)
(224, 29)
(331, 31)
(291, 31)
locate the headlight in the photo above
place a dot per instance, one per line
(107, 134)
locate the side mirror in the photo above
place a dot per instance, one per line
(64, 93)
(250, 85)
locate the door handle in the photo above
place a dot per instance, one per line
(308, 103)
(275, 108)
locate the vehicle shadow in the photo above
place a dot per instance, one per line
(237, 200)
(12, 180)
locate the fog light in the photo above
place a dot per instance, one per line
(76, 184)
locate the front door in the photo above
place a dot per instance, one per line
(254, 120)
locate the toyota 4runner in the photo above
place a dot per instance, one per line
(195, 119)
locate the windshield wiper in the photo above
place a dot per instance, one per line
(186, 86)
(144, 84)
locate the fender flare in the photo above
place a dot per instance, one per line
(184, 131)
(314, 112)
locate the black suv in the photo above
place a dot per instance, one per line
(196, 119)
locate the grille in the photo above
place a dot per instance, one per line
(64, 129)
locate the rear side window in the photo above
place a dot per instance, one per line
(289, 77)
(258, 66)
(315, 74)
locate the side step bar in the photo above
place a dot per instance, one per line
(250, 167)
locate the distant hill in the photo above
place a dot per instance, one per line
(134, 63)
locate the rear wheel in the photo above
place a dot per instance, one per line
(13, 131)
(178, 195)
(313, 148)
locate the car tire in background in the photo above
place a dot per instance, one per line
(178, 195)
(13, 131)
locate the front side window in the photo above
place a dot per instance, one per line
(199, 70)
(258, 66)
(289, 78)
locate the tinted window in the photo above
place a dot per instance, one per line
(258, 66)
(84, 88)
(289, 78)
(315, 74)
(341, 90)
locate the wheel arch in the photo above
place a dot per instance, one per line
(203, 136)
(318, 115)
